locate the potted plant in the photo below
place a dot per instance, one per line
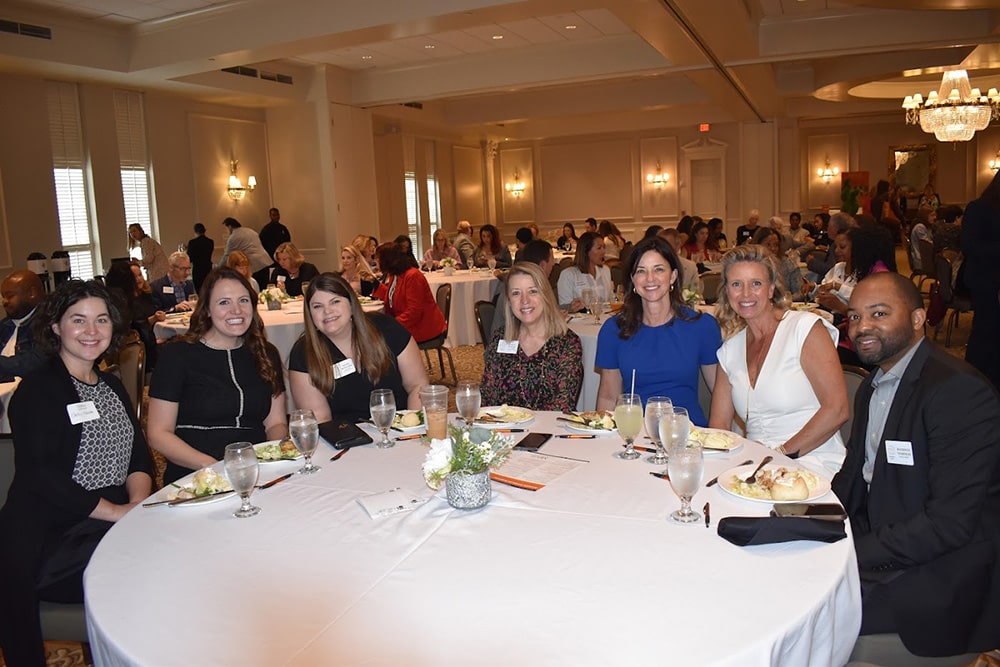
(463, 461)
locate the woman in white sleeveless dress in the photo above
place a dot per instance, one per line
(778, 369)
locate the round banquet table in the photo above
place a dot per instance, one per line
(467, 287)
(585, 571)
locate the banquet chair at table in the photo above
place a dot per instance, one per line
(444, 303)
(953, 303)
(853, 377)
(485, 312)
(130, 368)
(928, 263)
(710, 283)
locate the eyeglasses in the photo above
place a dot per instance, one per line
(185, 269)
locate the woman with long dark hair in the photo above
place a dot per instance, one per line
(492, 247)
(344, 354)
(865, 249)
(981, 270)
(407, 295)
(126, 282)
(82, 463)
(567, 241)
(656, 336)
(219, 383)
(406, 245)
(588, 272)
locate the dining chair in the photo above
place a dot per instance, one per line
(485, 312)
(130, 368)
(444, 303)
(853, 377)
(954, 303)
(710, 283)
(927, 263)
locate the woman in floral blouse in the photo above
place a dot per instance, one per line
(535, 361)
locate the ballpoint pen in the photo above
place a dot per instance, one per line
(409, 437)
(508, 430)
(339, 454)
(577, 437)
(708, 519)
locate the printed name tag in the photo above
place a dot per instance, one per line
(81, 412)
(504, 347)
(342, 368)
(168, 289)
(899, 452)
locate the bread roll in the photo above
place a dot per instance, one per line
(790, 489)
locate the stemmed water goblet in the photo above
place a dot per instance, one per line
(596, 304)
(382, 403)
(240, 461)
(685, 468)
(492, 263)
(628, 421)
(304, 432)
(656, 408)
(468, 400)
(675, 428)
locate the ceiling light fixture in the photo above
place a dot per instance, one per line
(956, 111)
(366, 57)
(428, 46)
(658, 178)
(235, 190)
(497, 36)
(995, 162)
(571, 27)
(826, 172)
(516, 187)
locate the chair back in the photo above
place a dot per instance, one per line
(926, 250)
(444, 303)
(616, 275)
(485, 312)
(710, 283)
(132, 370)
(6, 467)
(853, 377)
(942, 269)
(554, 277)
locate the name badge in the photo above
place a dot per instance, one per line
(168, 289)
(343, 368)
(899, 452)
(84, 411)
(505, 347)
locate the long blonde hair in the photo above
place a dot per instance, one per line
(555, 325)
(729, 321)
(364, 269)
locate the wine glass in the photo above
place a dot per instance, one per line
(675, 428)
(628, 420)
(596, 304)
(468, 400)
(685, 468)
(492, 263)
(382, 403)
(241, 466)
(305, 434)
(656, 408)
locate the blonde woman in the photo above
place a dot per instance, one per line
(237, 260)
(442, 248)
(535, 361)
(356, 271)
(366, 246)
(778, 368)
(294, 267)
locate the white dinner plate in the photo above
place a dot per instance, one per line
(408, 429)
(506, 415)
(169, 492)
(586, 429)
(801, 305)
(736, 440)
(275, 442)
(726, 479)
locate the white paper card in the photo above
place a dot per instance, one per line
(899, 452)
(505, 347)
(168, 289)
(84, 411)
(342, 368)
(389, 502)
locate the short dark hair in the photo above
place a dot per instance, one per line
(652, 231)
(232, 223)
(273, 210)
(796, 215)
(392, 259)
(524, 235)
(535, 251)
(907, 290)
(66, 295)
(199, 228)
(949, 213)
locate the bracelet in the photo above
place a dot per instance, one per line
(782, 450)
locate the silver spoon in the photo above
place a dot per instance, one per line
(752, 479)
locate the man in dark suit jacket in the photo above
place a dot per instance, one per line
(172, 291)
(200, 250)
(21, 292)
(923, 490)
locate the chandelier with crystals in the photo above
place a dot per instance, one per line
(956, 111)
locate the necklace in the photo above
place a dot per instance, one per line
(757, 353)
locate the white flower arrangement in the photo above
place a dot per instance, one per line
(471, 451)
(690, 296)
(448, 261)
(269, 294)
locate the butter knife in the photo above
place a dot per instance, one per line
(276, 480)
(661, 475)
(715, 480)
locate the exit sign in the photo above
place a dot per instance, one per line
(704, 127)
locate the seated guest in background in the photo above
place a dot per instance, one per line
(568, 239)
(614, 242)
(920, 231)
(366, 247)
(21, 291)
(796, 237)
(717, 241)
(171, 292)
(865, 249)
(239, 262)
(200, 250)
(407, 295)
(535, 361)
(685, 227)
(588, 272)
(345, 353)
(744, 233)
(696, 249)
(820, 262)
(778, 368)
(947, 230)
(929, 199)
(126, 283)
(82, 463)
(665, 343)
(294, 268)
(464, 245)
(817, 228)
(652, 231)
(521, 239)
(536, 252)
(248, 242)
(788, 269)
(219, 383)
(920, 482)
(355, 270)
(590, 225)
(492, 247)
(689, 270)
(441, 249)
(406, 245)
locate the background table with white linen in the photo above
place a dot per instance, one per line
(586, 571)
(6, 393)
(467, 287)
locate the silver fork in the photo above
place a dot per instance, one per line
(752, 479)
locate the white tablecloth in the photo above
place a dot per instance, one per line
(6, 392)
(587, 571)
(467, 287)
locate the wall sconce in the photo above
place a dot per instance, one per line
(517, 187)
(235, 190)
(995, 162)
(826, 172)
(659, 178)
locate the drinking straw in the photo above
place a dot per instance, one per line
(632, 390)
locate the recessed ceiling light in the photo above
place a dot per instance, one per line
(497, 36)
(366, 57)
(428, 46)
(570, 27)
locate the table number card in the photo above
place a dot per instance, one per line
(391, 502)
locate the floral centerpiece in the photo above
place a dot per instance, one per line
(448, 264)
(272, 297)
(462, 461)
(691, 296)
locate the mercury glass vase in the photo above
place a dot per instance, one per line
(468, 491)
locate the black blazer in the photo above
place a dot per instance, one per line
(168, 301)
(931, 531)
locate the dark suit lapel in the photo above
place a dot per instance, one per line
(904, 392)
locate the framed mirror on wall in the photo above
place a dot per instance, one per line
(912, 167)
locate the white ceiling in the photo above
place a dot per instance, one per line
(529, 65)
